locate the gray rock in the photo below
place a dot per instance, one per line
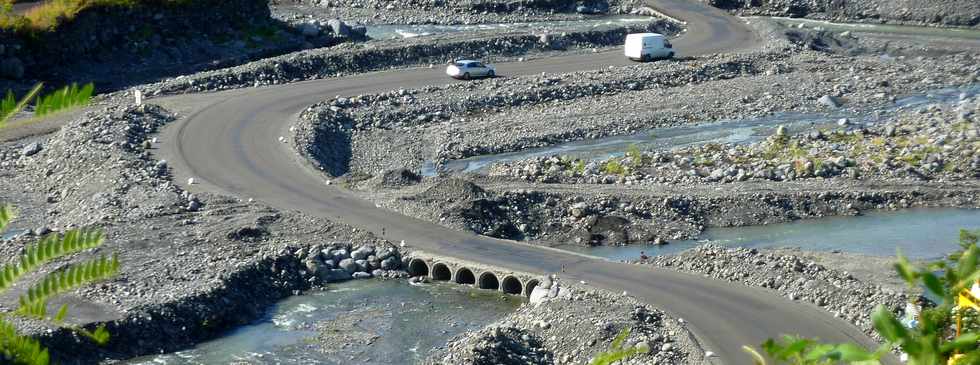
(339, 254)
(335, 275)
(361, 275)
(390, 263)
(377, 273)
(362, 265)
(348, 265)
(829, 101)
(339, 28)
(362, 253)
(31, 149)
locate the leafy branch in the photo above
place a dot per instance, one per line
(20, 349)
(937, 336)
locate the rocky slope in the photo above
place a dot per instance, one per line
(571, 328)
(964, 13)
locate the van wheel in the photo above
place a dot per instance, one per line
(466, 76)
(670, 55)
(645, 58)
(491, 74)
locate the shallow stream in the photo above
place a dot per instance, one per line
(356, 322)
(398, 31)
(728, 131)
(918, 233)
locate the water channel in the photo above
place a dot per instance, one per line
(356, 322)
(399, 31)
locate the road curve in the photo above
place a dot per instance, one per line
(228, 142)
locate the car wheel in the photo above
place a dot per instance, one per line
(670, 55)
(491, 74)
(645, 58)
(466, 76)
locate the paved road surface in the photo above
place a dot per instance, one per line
(228, 142)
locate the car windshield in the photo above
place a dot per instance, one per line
(463, 64)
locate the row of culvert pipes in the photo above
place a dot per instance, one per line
(460, 274)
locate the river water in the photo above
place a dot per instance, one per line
(727, 131)
(356, 322)
(918, 233)
(961, 33)
(397, 31)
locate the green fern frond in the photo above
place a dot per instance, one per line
(7, 214)
(49, 248)
(100, 336)
(21, 349)
(34, 303)
(616, 351)
(9, 108)
(620, 338)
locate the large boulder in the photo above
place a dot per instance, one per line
(339, 28)
(335, 275)
(390, 263)
(362, 253)
(349, 265)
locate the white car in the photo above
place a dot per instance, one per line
(468, 69)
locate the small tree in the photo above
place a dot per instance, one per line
(18, 349)
(937, 339)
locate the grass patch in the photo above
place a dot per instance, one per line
(48, 16)
(66, 98)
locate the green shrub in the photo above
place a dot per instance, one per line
(25, 350)
(578, 167)
(50, 14)
(635, 155)
(613, 167)
(65, 98)
(933, 342)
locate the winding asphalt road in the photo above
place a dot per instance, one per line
(228, 142)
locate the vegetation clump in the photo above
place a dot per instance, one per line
(52, 13)
(938, 337)
(18, 349)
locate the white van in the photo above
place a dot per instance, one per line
(648, 47)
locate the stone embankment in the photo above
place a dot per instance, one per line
(588, 214)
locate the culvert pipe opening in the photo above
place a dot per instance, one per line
(489, 281)
(418, 267)
(529, 287)
(512, 285)
(441, 272)
(465, 276)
